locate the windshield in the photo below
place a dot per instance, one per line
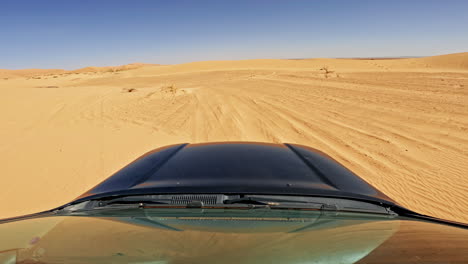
(229, 236)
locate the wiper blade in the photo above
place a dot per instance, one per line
(230, 202)
(133, 200)
(272, 201)
(317, 203)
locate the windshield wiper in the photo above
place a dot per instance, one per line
(229, 202)
(275, 201)
(133, 200)
(317, 203)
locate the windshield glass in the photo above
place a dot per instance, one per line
(229, 236)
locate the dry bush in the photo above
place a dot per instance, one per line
(329, 73)
(170, 89)
(326, 69)
(129, 90)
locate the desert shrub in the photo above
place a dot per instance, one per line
(129, 90)
(326, 69)
(170, 89)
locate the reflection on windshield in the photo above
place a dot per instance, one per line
(253, 238)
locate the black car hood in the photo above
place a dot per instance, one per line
(236, 168)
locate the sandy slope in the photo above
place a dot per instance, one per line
(400, 124)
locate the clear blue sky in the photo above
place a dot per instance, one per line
(72, 34)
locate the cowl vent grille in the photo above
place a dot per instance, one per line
(185, 199)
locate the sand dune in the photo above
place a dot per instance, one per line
(44, 73)
(27, 72)
(125, 67)
(400, 124)
(457, 61)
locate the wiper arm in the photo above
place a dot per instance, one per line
(221, 201)
(317, 203)
(133, 200)
(272, 201)
(230, 202)
(124, 202)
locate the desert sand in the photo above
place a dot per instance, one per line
(400, 124)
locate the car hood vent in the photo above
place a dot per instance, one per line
(189, 198)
